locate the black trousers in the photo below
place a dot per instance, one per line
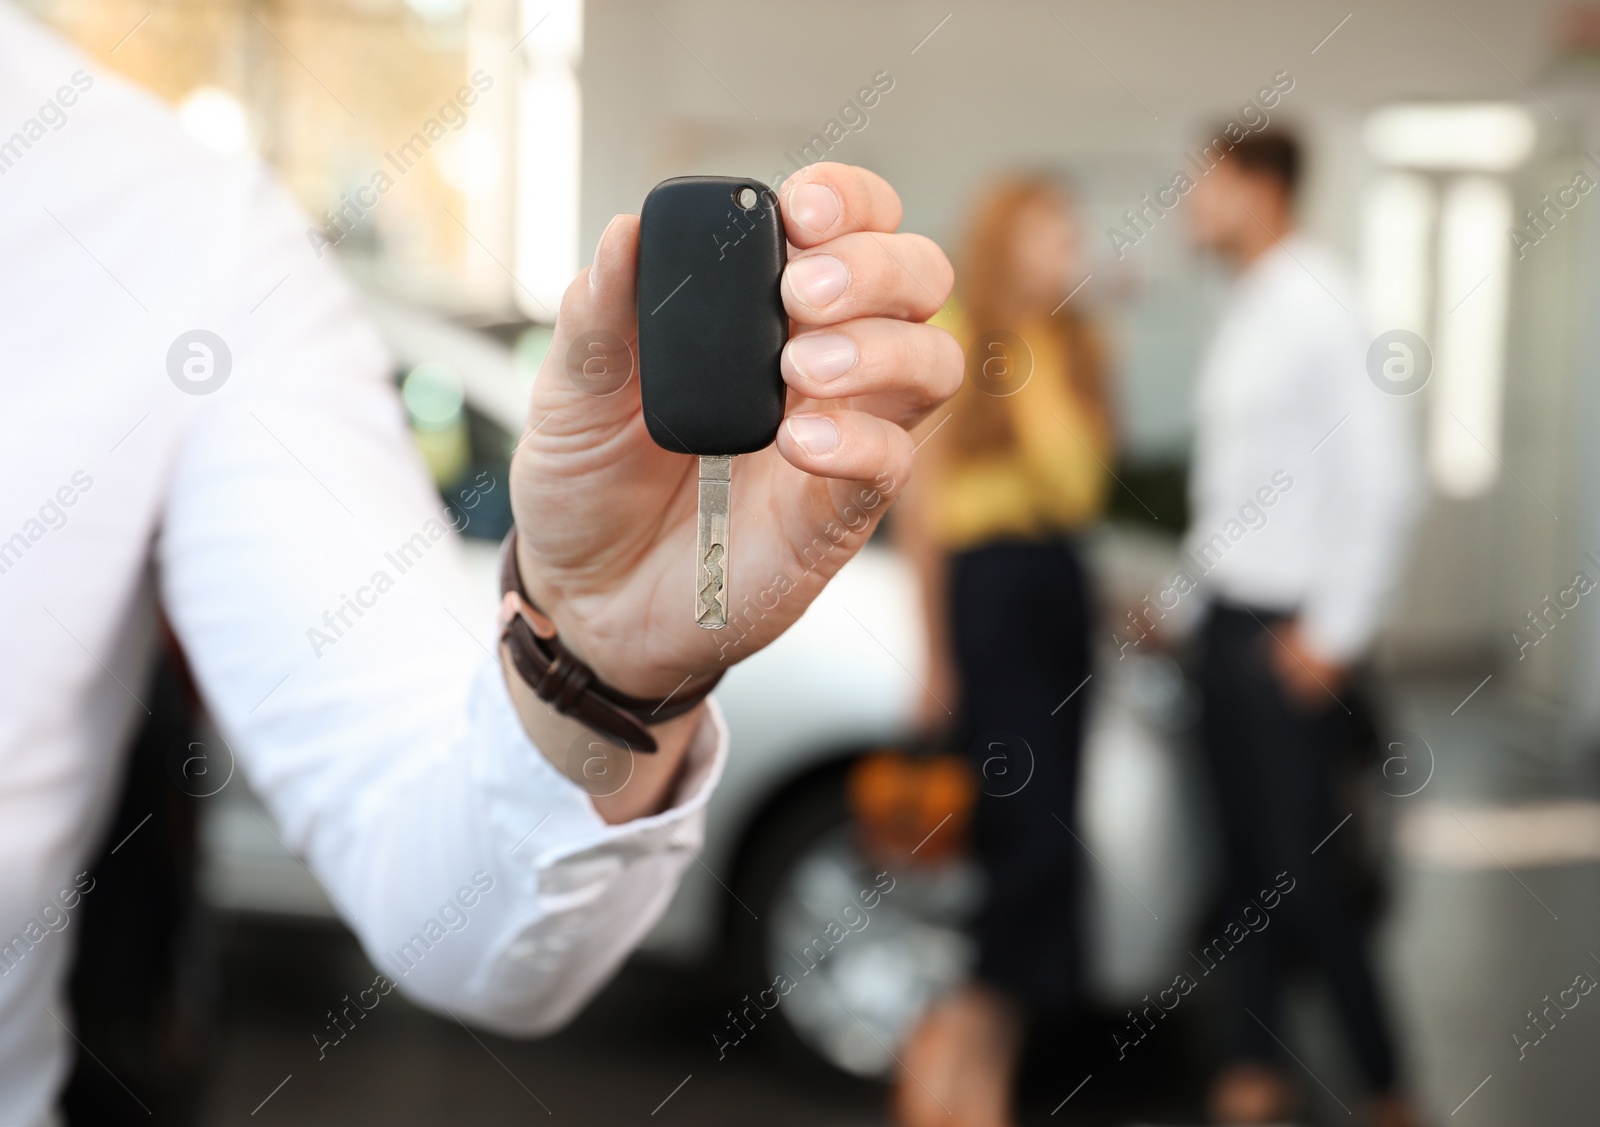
(1272, 764)
(1020, 625)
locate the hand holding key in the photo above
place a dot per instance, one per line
(606, 518)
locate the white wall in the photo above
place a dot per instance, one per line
(1000, 83)
(694, 86)
(1114, 93)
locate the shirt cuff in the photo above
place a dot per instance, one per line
(540, 815)
(1336, 638)
(1175, 608)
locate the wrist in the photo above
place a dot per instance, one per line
(620, 663)
(563, 680)
(621, 784)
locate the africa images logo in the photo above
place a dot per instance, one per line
(198, 362)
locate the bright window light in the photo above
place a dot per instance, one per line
(549, 114)
(1396, 231)
(470, 162)
(1435, 258)
(437, 11)
(1482, 136)
(215, 118)
(1465, 408)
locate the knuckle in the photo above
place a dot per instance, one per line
(879, 201)
(874, 275)
(938, 274)
(574, 303)
(907, 351)
(948, 362)
(854, 188)
(893, 210)
(898, 456)
(877, 447)
(897, 275)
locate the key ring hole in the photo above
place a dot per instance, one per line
(746, 198)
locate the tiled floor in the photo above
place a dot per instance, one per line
(1474, 949)
(622, 1062)
(1469, 947)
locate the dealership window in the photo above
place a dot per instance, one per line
(1436, 259)
(549, 116)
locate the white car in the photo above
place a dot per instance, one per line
(781, 857)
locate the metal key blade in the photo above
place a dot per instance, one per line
(711, 574)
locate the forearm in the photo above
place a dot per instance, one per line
(1367, 525)
(387, 747)
(561, 896)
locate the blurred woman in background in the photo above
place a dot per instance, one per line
(1005, 482)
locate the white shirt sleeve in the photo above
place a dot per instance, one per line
(1372, 494)
(307, 568)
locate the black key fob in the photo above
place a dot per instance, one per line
(711, 320)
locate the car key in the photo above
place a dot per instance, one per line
(711, 329)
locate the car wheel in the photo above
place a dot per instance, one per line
(866, 944)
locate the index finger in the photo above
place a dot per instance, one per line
(825, 200)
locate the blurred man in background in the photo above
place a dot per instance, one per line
(1302, 492)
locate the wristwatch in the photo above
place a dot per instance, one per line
(562, 680)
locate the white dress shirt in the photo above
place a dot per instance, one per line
(1304, 479)
(391, 759)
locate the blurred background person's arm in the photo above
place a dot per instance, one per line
(940, 697)
(1370, 503)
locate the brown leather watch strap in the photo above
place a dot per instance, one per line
(558, 677)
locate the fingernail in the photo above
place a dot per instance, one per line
(817, 279)
(815, 434)
(822, 356)
(814, 206)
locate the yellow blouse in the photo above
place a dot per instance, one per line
(1052, 479)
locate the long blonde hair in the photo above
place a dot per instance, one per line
(981, 422)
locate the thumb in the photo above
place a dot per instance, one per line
(592, 366)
